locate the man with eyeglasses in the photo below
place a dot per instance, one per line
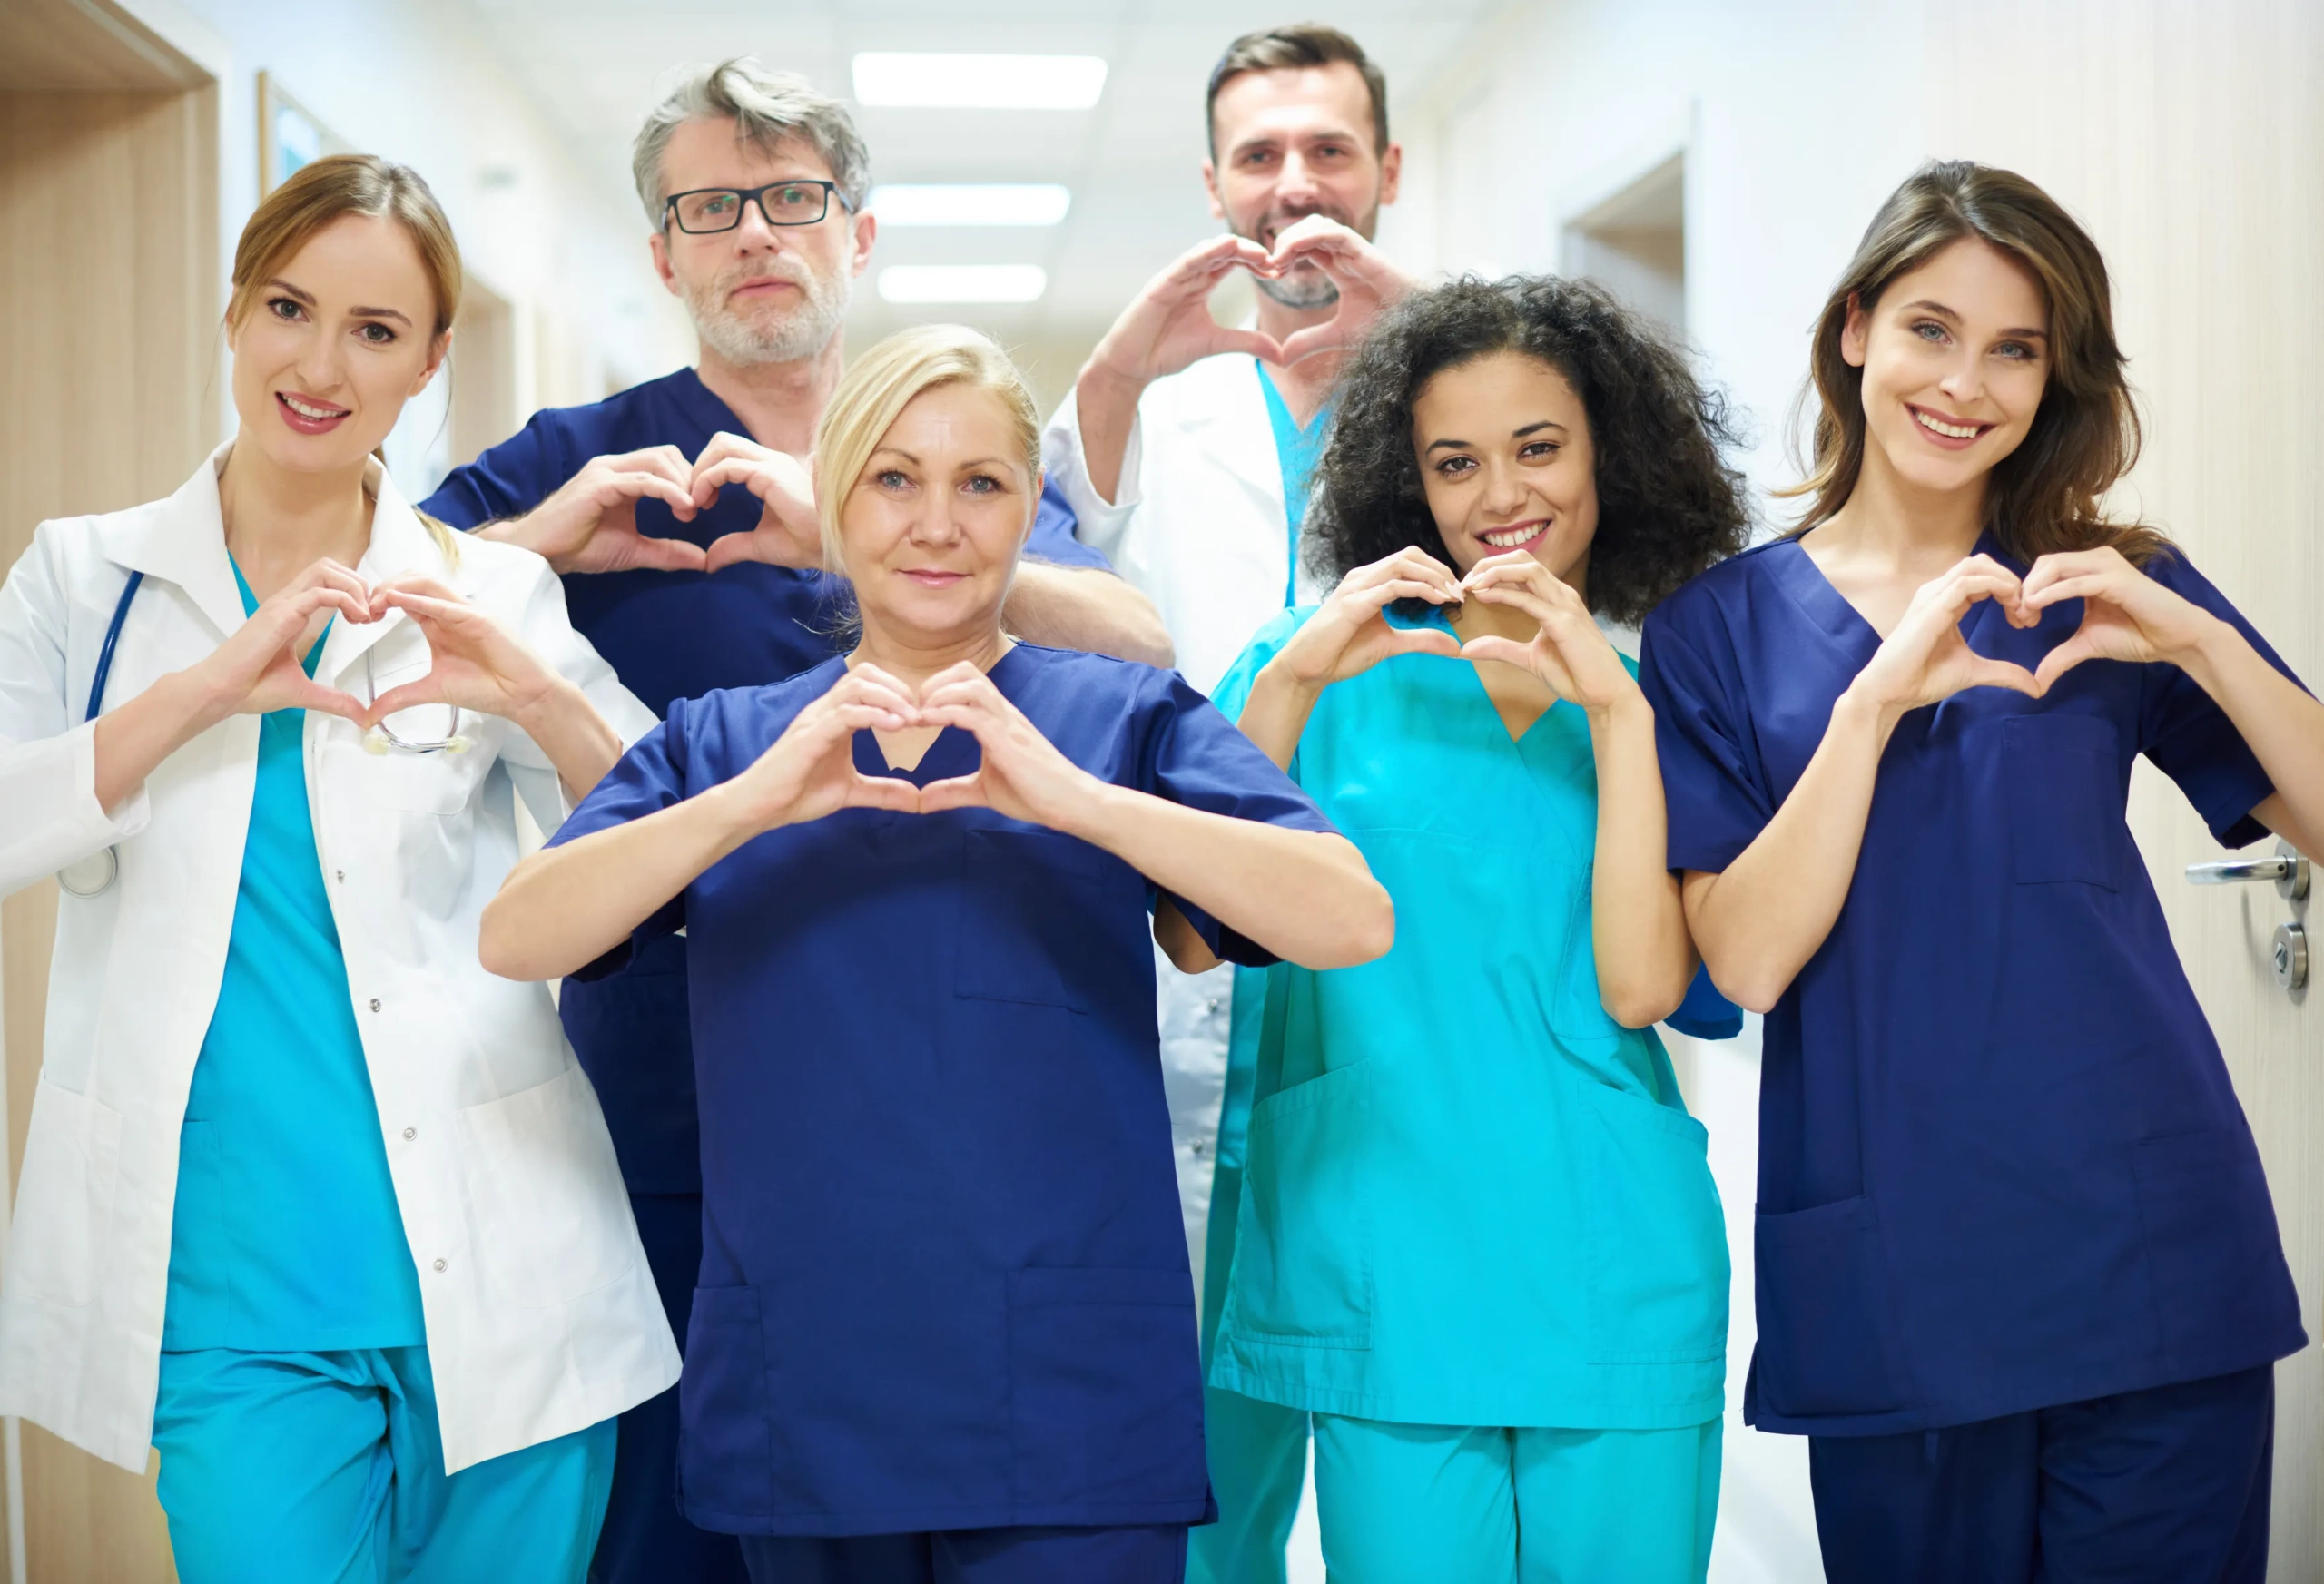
(682, 514)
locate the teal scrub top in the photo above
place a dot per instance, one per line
(1470, 1196)
(1296, 452)
(286, 1236)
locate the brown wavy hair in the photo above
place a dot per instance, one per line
(2044, 497)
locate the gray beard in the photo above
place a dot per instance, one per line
(1313, 289)
(798, 336)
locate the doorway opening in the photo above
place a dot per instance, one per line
(1634, 243)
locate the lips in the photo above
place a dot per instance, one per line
(308, 416)
(1952, 434)
(1516, 536)
(932, 577)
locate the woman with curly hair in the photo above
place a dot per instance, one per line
(1477, 1238)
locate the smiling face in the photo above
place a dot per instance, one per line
(930, 532)
(333, 344)
(758, 293)
(1506, 463)
(1292, 143)
(1956, 356)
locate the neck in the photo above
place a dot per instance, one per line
(914, 657)
(779, 403)
(279, 522)
(1907, 526)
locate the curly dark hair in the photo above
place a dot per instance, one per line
(1668, 503)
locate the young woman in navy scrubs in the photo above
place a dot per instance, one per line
(945, 1327)
(2019, 1276)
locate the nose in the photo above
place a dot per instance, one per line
(1505, 493)
(320, 365)
(754, 231)
(934, 524)
(1295, 186)
(1963, 379)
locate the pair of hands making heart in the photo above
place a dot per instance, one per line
(1169, 326)
(477, 666)
(1350, 632)
(591, 524)
(2126, 615)
(810, 771)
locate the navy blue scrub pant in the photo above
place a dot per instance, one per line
(646, 1539)
(974, 1556)
(2164, 1486)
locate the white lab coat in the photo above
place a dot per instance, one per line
(1198, 526)
(542, 1317)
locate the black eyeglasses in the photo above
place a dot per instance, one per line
(706, 209)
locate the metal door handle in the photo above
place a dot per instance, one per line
(2288, 869)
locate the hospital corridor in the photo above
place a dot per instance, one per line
(884, 792)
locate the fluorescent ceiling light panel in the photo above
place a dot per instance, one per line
(963, 283)
(950, 82)
(970, 203)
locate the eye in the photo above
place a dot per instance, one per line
(1456, 466)
(1330, 151)
(283, 308)
(982, 483)
(893, 478)
(1928, 329)
(1539, 450)
(1258, 157)
(375, 333)
(2018, 351)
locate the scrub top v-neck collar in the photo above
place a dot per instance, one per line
(953, 752)
(1835, 613)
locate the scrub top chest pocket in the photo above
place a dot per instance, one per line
(2066, 787)
(1073, 905)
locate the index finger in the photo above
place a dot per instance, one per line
(668, 461)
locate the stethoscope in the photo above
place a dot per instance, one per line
(94, 875)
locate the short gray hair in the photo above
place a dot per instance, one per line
(767, 108)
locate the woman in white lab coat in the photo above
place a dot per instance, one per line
(310, 1202)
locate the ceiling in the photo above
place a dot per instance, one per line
(1132, 161)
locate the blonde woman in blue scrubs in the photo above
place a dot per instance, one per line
(311, 1203)
(1478, 1239)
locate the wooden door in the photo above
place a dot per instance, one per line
(108, 306)
(2190, 141)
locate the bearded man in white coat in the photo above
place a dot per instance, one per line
(1185, 451)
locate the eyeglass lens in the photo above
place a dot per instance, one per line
(721, 208)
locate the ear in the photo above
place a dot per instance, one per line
(1392, 172)
(435, 356)
(660, 245)
(867, 232)
(1210, 185)
(1856, 332)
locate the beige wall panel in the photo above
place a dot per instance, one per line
(108, 229)
(2188, 139)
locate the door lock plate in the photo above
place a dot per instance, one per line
(2290, 956)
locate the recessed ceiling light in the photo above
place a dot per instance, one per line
(970, 203)
(963, 283)
(951, 82)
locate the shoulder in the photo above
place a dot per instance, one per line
(1705, 602)
(1198, 390)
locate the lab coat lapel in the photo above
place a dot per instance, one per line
(1228, 420)
(182, 540)
(400, 544)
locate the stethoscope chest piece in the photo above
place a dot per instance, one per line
(91, 876)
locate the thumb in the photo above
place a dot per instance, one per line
(668, 555)
(2062, 659)
(2002, 674)
(1508, 649)
(729, 548)
(1427, 641)
(959, 791)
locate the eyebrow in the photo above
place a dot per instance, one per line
(1518, 434)
(307, 297)
(1946, 314)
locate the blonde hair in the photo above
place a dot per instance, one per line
(330, 189)
(881, 383)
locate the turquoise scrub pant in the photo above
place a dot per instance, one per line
(1399, 1503)
(328, 1468)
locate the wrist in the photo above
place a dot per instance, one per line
(196, 698)
(2215, 644)
(1626, 711)
(538, 705)
(1105, 384)
(1094, 815)
(1860, 709)
(1283, 674)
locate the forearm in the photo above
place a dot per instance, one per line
(1105, 406)
(577, 740)
(1759, 921)
(1071, 607)
(1638, 926)
(1276, 715)
(132, 739)
(1305, 896)
(564, 907)
(2283, 725)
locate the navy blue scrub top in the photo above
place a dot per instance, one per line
(944, 1280)
(2001, 1164)
(669, 635)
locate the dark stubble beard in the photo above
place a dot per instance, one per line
(1307, 287)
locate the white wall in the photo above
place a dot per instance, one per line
(421, 82)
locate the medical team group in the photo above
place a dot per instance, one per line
(1104, 959)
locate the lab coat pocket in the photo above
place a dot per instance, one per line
(1828, 1338)
(1655, 1237)
(1046, 915)
(2066, 790)
(725, 1448)
(64, 1196)
(551, 1216)
(1105, 1389)
(2213, 1249)
(1303, 1240)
